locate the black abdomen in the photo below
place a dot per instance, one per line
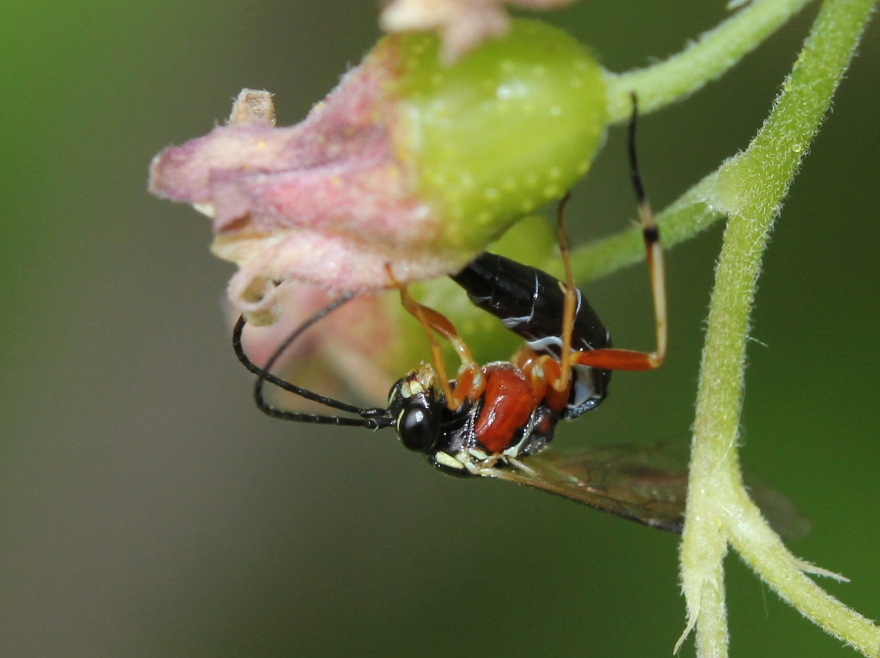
(530, 303)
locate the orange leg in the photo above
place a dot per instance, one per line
(624, 359)
(563, 380)
(540, 370)
(470, 381)
(614, 359)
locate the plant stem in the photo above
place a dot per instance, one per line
(749, 189)
(659, 85)
(710, 56)
(686, 217)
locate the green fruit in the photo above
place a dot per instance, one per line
(501, 132)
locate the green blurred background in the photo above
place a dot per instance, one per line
(147, 509)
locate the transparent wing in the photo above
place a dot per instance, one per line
(645, 483)
(779, 511)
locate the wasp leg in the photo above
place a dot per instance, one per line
(470, 381)
(540, 371)
(562, 381)
(613, 359)
(653, 254)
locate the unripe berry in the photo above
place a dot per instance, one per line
(408, 164)
(506, 129)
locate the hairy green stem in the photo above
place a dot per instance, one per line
(715, 52)
(689, 215)
(707, 58)
(749, 189)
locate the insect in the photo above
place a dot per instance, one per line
(497, 420)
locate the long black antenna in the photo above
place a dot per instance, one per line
(372, 419)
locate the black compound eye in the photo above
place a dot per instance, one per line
(417, 428)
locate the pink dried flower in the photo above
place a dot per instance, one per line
(325, 201)
(407, 164)
(463, 24)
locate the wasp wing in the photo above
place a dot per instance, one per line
(779, 511)
(647, 483)
(644, 483)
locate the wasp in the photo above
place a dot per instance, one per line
(497, 420)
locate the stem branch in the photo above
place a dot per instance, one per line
(715, 52)
(749, 189)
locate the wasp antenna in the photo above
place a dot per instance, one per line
(375, 418)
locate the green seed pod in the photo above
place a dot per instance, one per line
(506, 129)
(405, 172)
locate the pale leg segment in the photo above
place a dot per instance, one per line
(470, 381)
(614, 359)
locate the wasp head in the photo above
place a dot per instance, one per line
(417, 404)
